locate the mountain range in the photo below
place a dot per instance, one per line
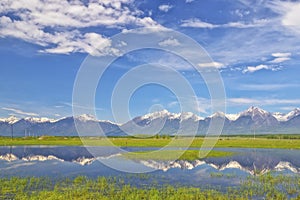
(252, 120)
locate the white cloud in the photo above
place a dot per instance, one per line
(252, 69)
(174, 62)
(173, 104)
(189, 1)
(197, 23)
(289, 12)
(56, 25)
(280, 60)
(241, 24)
(204, 105)
(280, 57)
(242, 101)
(287, 108)
(20, 112)
(169, 42)
(266, 101)
(165, 7)
(240, 13)
(211, 64)
(266, 87)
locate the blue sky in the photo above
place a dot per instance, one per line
(254, 44)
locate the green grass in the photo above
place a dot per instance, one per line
(264, 187)
(237, 141)
(43, 140)
(175, 155)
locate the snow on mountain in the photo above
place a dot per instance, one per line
(255, 111)
(285, 117)
(159, 114)
(86, 117)
(217, 114)
(232, 117)
(280, 116)
(13, 119)
(171, 116)
(10, 120)
(292, 114)
(109, 122)
(39, 120)
(257, 118)
(161, 121)
(189, 115)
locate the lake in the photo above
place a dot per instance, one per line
(68, 161)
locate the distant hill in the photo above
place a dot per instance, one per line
(249, 121)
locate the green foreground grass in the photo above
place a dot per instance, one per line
(264, 187)
(243, 142)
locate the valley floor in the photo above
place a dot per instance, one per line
(270, 141)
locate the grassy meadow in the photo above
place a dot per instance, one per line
(263, 187)
(268, 141)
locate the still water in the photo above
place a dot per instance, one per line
(61, 162)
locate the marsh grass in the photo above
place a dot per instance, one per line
(81, 187)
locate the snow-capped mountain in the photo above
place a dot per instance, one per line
(162, 122)
(255, 111)
(10, 120)
(251, 120)
(63, 126)
(232, 117)
(285, 117)
(258, 115)
(254, 119)
(39, 120)
(218, 115)
(86, 117)
(280, 116)
(292, 114)
(159, 114)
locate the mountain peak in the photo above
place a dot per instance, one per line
(157, 114)
(293, 113)
(218, 114)
(253, 110)
(11, 119)
(189, 115)
(39, 120)
(256, 109)
(86, 117)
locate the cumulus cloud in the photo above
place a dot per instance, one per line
(165, 7)
(211, 64)
(252, 69)
(20, 112)
(57, 25)
(280, 57)
(280, 60)
(289, 13)
(169, 42)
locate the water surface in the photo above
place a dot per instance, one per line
(61, 161)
